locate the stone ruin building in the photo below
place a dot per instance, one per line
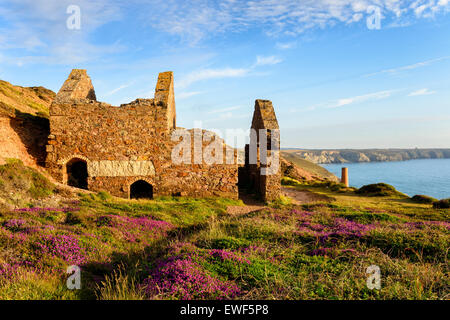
(127, 150)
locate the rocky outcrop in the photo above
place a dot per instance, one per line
(23, 123)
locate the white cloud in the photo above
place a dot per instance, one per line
(207, 74)
(39, 28)
(227, 116)
(262, 61)
(225, 110)
(186, 95)
(285, 45)
(421, 92)
(428, 8)
(363, 98)
(118, 89)
(346, 101)
(409, 67)
(277, 17)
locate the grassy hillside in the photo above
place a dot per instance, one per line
(24, 124)
(309, 166)
(182, 248)
(32, 100)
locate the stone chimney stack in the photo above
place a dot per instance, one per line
(77, 86)
(344, 178)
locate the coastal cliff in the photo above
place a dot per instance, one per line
(366, 155)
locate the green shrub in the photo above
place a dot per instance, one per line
(73, 218)
(13, 161)
(21, 179)
(286, 181)
(369, 217)
(442, 204)
(426, 246)
(379, 190)
(229, 243)
(281, 202)
(103, 195)
(419, 198)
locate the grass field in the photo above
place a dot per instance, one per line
(183, 248)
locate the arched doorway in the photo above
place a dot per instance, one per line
(141, 190)
(77, 173)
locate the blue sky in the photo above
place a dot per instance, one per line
(335, 83)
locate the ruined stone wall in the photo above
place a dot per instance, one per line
(267, 184)
(128, 143)
(165, 94)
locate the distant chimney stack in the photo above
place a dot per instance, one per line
(344, 178)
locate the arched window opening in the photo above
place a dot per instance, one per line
(77, 173)
(141, 190)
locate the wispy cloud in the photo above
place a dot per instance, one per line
(278, 17)
(186, 94)
(38, 28)
(227, 116)
(421, 92)
(362, 98)
(262, 61)
(427, 9)
(285, 45)
(114, 91)
(208, 74)
(408, 67)
(224, 109)
(347, 101)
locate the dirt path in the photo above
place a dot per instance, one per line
(302, 197)
(251, 205)
(297, 196)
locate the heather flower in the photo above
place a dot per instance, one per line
(62, 246)
(301, 214)
(22, 227)
(183, 247)
(104, 221)
(17, 225)
(340, 228)
(423, 224)
(37, 209)
(136, 229)
(8, 271)
(254, 248)
(225, 255)
(321, 251)
(182, 277)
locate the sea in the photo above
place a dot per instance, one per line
(423, 176)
